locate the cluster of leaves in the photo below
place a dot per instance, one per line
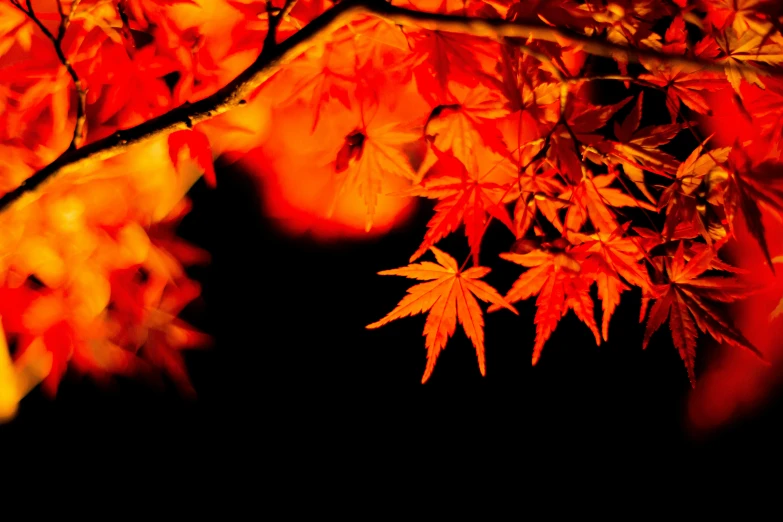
(91, 272)
(598, 198)
(496, 122)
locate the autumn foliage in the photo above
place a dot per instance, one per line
(580, 127)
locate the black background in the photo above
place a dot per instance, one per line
(294, 377)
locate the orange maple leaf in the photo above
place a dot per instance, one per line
(463, 198)
(608, 258)
(594, 197)
(561, 284)
(369, 153)
(448, 294)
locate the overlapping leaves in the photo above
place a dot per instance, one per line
(602, 198)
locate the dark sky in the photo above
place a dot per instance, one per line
(295, 377)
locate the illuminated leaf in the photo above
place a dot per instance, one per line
(449, 296)
(198, 149)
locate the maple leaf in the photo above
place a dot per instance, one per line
(627, 21)
(537, 190)
(608, 258)
(42, 106)
(368, 153)
(437, 51)
(443, 59)
(582, 120)
(465, 125)
(594, 197)
(198, 150)
(450, 296)
(557, 278)
(676, 37)
(684, 87)
(741, 15)
(382, 55)
(638, 150)
(199, 72)
(131, 90)
(751, 187)
(696, 194)
(683, 84)
(743, 49)
(319, 80)
(687, 300)
(530, 89)
(463, 198)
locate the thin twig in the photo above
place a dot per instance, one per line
(81, 104)
(275, 16)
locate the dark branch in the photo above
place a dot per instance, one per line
(275, 17)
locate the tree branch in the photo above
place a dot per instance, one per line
(272, 60)
(275, 17)
(57, 41)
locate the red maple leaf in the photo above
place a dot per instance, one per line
(751, 187)
(579, 127)
(198, 149)
(688, 301)
(463, 198)
(610, 259)
(557, 277)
